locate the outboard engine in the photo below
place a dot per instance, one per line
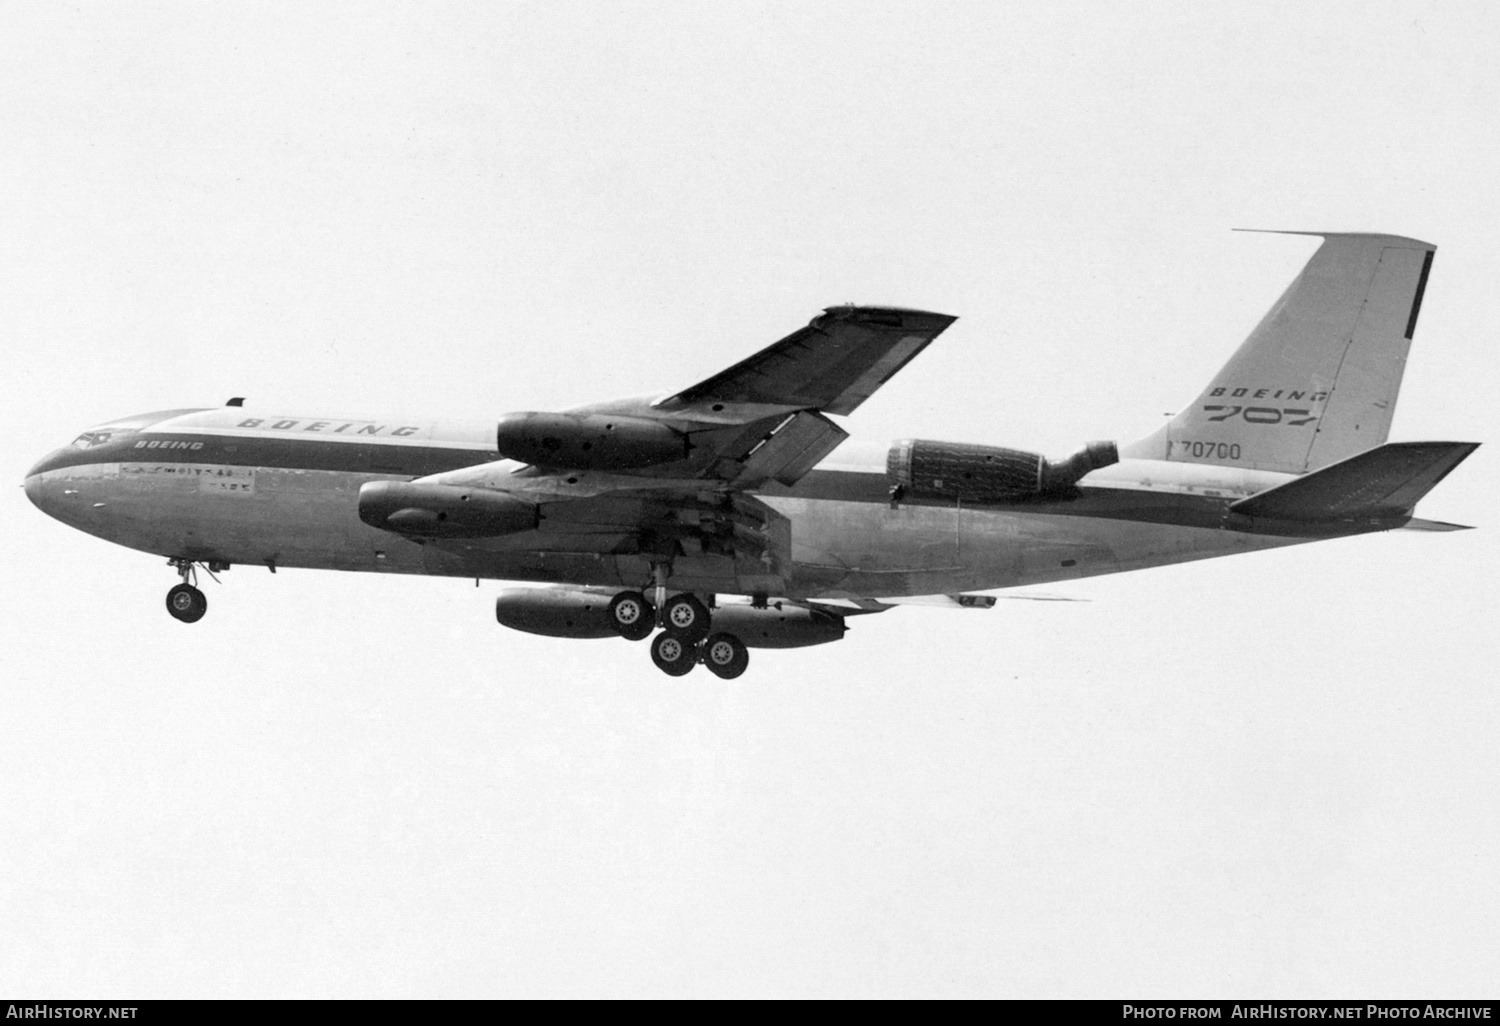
(589, 441)
(921, 469)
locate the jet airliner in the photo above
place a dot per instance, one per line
(726, 517)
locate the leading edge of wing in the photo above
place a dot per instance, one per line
(832, 365)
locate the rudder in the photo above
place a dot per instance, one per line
(1316, 381)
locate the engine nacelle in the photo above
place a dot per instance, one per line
(443, 511)
(556, 612)
(922, 469)
(584, 613)
(589, 441)
(786, 627)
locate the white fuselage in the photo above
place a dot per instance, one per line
(229, 486)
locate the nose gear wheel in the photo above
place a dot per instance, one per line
(187, 603)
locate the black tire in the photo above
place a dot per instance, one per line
(187, 603)
(632, 616)
(686, 617)
(726, 655)
(673, 655)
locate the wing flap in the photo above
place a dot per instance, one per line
(796, 446)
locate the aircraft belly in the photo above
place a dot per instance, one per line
(234, 514)
(1046, 549)
(864, 548)
(846, 549)
(308, 518)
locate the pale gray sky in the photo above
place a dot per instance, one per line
(1273, 774)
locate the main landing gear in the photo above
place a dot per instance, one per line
(687, 617)
(185, 601)
(673, 655)
(724, 654)
(687, 637)
(632, 616)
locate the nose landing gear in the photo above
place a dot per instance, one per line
(185, 601)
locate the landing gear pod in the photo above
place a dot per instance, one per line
(921, 469)
(588, 441)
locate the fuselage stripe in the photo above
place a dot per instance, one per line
(409, 458)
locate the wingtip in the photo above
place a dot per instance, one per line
(882, 314)
(1281, 231)
(1373, 236)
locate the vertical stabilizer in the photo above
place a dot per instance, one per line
(1316, 381)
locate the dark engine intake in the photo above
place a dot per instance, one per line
(983, 473)
(443, 511)
(588, 441)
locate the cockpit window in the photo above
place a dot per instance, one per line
(115, 429)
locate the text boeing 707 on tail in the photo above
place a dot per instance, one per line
(720, 518)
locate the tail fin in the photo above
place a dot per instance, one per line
(1316, 381)
(1381, 484)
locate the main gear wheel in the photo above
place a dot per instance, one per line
(632, 616)
(726, 655)
(673, 655)
(687, 617)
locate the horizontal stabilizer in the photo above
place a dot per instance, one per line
(1384, 482)
(1434, 525)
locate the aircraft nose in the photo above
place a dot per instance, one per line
(41, 492)
(36, 490)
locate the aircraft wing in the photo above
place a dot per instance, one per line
(832, 365)
(764, 419)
